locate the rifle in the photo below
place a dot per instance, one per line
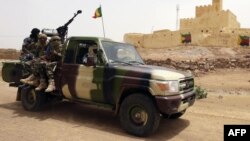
(63, 30)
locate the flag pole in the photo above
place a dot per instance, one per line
(103, 29)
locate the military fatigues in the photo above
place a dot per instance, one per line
(53, 57)
(28, 45)
(43, 66)
(35, 64)
(39, 66)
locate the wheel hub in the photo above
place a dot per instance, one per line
(139, 116)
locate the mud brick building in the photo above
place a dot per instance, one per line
(212, 26)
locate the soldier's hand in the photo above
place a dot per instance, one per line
(43, 57)
(57, 53)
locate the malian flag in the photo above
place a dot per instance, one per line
(186, 38)
(243, 40)
(98, 13)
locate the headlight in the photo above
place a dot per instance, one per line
(168, 87)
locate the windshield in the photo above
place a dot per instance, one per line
(121, 53)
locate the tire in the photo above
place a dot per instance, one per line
(31, 99)
(138, 115)
(174, 116)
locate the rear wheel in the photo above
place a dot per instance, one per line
(138, 115)
(32, 100)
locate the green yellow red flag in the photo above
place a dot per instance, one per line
(98, 13)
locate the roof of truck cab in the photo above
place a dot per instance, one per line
(89, 38)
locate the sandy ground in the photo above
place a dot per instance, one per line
(228, 102)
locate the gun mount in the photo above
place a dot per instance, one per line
(61, 31)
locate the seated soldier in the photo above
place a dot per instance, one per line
(28, 48)
(90, 58)
(53, 57)
(29, 42)
(39, 51)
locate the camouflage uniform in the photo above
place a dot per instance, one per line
(40, 64)
(53, 57)
(29, 42)
(36, 63)
(28, 49)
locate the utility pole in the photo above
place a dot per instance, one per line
(177, 16)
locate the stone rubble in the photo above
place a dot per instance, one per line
(203, 65)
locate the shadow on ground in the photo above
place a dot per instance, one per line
(92, 117)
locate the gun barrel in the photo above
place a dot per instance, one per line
(78, 12)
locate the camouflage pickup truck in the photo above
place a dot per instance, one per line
(114, 77)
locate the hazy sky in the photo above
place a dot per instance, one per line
(18, 17)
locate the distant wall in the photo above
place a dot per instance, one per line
(9, 54)
(212, 26)
(201, 10)
(211, 20)
(200, 37)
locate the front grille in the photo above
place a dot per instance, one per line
(186, 85)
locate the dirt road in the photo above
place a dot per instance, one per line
(228, 102)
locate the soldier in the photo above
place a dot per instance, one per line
(28, 49)
(40, 65)
(91, 57)
(29, 41)
(53, 57)
(36, 63)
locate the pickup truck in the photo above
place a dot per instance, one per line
(115, 77)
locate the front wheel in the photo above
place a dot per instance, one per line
(138, 115)
(32, 100)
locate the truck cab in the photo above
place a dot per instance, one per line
(102, 72)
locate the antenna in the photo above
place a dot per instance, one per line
(177, 16)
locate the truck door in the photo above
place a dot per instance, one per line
(81, 77)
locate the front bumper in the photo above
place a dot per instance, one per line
(176, 103)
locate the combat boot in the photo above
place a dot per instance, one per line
(34, 82)
(42, 85)
(51, 86)
(29, 78)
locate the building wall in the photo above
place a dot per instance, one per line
(211, 16)
(212, 26)
(211, 20)
(217, 4)
(208, 37)
(215, 7)
(201, 10)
